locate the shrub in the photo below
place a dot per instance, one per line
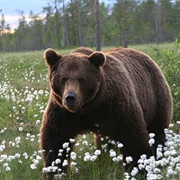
(169, 62)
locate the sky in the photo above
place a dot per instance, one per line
(10, 9)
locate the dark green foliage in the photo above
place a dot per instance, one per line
(169, 61)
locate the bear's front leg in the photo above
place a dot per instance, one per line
(56, 150)
(135, 143)
(133, 134)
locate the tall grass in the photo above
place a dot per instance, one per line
(24, 92)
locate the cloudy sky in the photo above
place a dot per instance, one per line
(10, 9)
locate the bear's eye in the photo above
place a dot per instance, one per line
(81, 80)
(63, 80)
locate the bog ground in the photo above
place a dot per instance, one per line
(24, 92)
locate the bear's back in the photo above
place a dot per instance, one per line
(83, 50)
(137, 71)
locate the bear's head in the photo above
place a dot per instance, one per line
(75, 79)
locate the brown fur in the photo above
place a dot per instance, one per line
(122, 90)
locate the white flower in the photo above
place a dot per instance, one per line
(157, 170)
(167, 153)
(25, 155)
(166, 130)
(73, 155)
(8, 168)
(114, 159)
(151, 176)
(2, 147)
(2, 131)
(129, 159)
(3, 157)
(141, 166)
(148, 168)
(170, 171)
(10, 158)
(112, 153)
(77, 144)
(151, 135)
(169, 143)
(84, 136)
(173, 152)
(85, 143)
(36, 162)
(5, 165)
(68, 149)
(49, 169)
(44, 170)
(72, 140)
(151, 142)
(73, 164)
(38, 157)
(120, 145)
(97, 152)
(93, 158)
(134, 171)
(54, 168)
(17, 155)
(87, 156)
(144, 156)
(127, 176)
(159, 153)
(65, 145)
(120, 158)
(20, 128)
(38, 122)
(57, 161)
(65, 163)
(33, 166)
(112, 142)
(28, 134)
(52, 163)
(164, 162)
(61, 150)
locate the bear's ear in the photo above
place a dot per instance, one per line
(51, 57)
(97, 58)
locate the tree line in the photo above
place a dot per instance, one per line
(72, 23)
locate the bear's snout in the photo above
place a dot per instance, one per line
(71, 101)
(70, 98)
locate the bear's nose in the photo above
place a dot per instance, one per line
(70, 98)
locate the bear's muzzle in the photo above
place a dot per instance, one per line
(71, 102)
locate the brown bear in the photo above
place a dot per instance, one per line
(122, 90)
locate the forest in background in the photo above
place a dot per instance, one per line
(68, 24)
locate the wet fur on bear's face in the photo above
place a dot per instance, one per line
(75, 79)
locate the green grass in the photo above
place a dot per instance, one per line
(24, 92)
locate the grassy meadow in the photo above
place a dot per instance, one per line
(24, 92)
